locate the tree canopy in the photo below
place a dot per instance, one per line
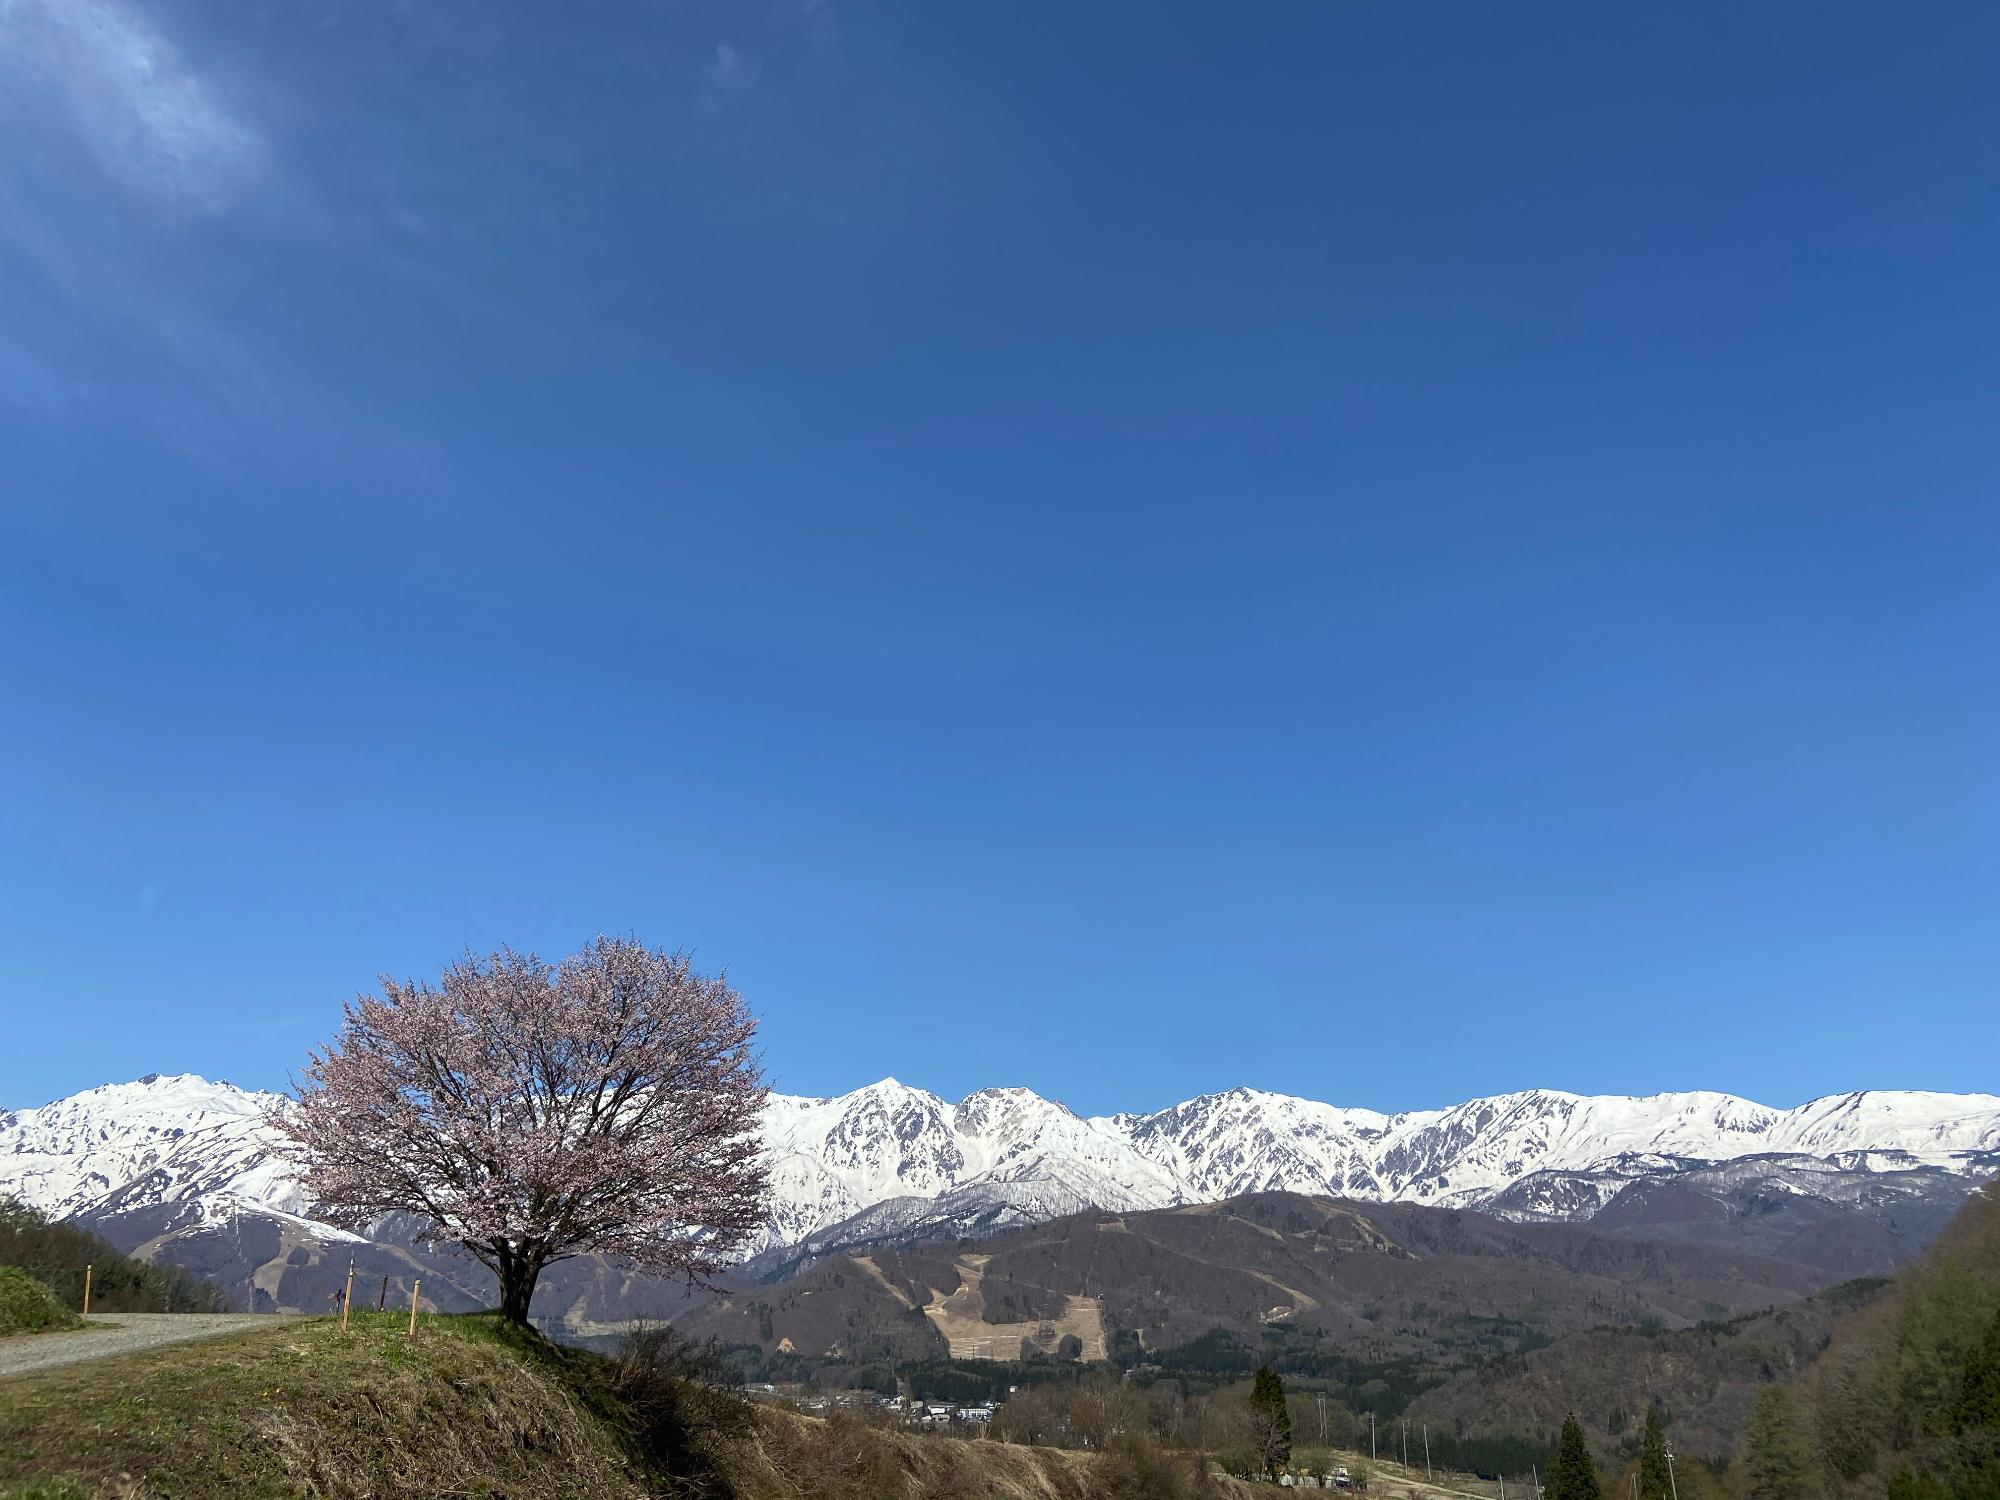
(530, 1112)
(1656, 1481)
(1778, 1458)
(1270, 1420)
(1572, 1473)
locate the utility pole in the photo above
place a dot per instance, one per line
(1371, 1437)
(1406, 1443)
(1538, 1480)
(1427, 1454)
(1672, 1483)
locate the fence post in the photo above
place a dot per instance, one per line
(347, 1297)
(413, 1305)
(382, 1298)
(86, 1290)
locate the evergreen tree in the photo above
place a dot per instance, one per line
(1270, 1420)
(1656, 1481)
(1777, 1456)
(1975, 1420)
(1572, 1475)
(1978, 1403)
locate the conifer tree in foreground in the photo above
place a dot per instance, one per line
(1777, 1455)
(1572, 1474)
(1656, 1481)
(1270, 1420)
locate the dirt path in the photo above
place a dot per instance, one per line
(124, 1333)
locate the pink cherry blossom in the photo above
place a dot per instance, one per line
(607, 1105)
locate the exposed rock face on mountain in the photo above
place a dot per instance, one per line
(185, 1168)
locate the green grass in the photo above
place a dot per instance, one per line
(26, 1306)
(472, 1408)
(465, 1408)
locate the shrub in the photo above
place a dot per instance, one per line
(663, 1392)
(1133, 1468)
(26, 1306)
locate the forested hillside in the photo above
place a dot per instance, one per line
(55, 1254)
(1906, 1399)
(1383, 1299)
(1870, 1389)
(1704, 1376)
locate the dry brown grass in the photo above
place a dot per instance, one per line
(472, 1409)
(843, 1458)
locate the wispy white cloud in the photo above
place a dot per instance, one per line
(729, 72)
(149, 123)
(115, 153)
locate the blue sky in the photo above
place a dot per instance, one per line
(1382, 551)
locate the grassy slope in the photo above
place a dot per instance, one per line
(305, 1410)
(467, 1408)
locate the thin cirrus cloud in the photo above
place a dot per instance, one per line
(112, 147)
(729, 72)
(149, 123)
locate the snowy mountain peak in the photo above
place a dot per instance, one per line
(74, 1152)
(1007, 1154)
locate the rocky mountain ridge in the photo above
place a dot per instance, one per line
(165, 1158)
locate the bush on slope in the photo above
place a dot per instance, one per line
(26, 1306)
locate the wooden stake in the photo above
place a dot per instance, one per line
(347, 1297)
(382, 1300)
(413, 1306)
(86, 1291)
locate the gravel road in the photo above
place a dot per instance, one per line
(123, 1333)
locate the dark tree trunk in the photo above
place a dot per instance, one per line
(518, 1271)
(514, 1294)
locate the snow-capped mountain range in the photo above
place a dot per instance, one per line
(888, 1156)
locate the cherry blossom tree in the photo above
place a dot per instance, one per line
(605, 1105)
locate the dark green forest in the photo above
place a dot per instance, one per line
(55, 1255)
